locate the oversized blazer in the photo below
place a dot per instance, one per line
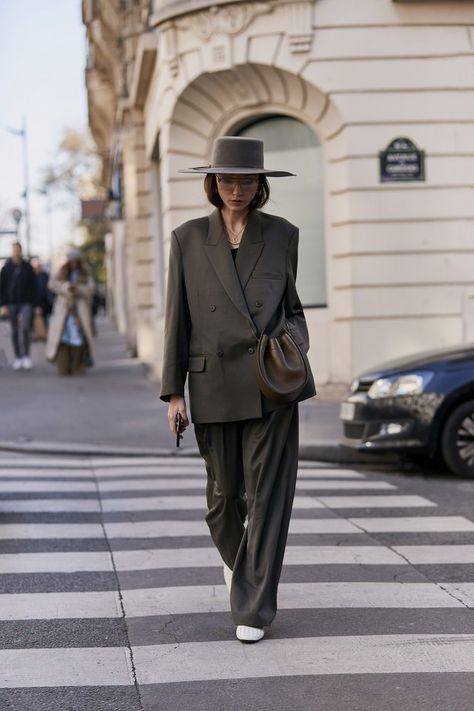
(216, 311)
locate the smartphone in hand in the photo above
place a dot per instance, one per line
(179, 423)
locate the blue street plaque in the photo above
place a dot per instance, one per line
(402, 161)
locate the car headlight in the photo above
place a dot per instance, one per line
(397, 386)
(354, 386)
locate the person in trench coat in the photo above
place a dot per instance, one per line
(70, 336)
(232, 276)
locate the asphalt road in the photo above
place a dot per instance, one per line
(112, 595)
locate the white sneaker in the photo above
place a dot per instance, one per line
(17, 364)
(227, 576)
(26, 363)
(249, 634)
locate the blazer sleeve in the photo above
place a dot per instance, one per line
(295, 320)
(177, 327)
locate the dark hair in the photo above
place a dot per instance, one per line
(260, 198)
(17, 244)
(64, 273)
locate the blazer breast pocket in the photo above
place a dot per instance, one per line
(267, 275)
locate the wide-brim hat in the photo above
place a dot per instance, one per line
(237, 155)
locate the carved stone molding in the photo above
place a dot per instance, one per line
(170, 47)
(225, 19)
(300, 27)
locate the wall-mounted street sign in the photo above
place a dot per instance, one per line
(402, 161)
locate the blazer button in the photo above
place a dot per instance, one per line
(258, 304)
(251, 350)
(220, 354)
(212, 307)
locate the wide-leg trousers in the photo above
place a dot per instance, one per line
(251, 472)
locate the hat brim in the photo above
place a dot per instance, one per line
(230, 170)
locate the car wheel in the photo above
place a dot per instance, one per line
(457, 440)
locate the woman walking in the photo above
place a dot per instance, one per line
(69, 342)
(231, 279)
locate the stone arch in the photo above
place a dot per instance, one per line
(220, 102)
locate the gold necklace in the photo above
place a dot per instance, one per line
(236, 241)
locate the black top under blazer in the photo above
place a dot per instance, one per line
(216, 311)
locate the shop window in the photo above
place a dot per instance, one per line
(291, 145)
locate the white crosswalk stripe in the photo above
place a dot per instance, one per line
(366, 502)
(25, 531)
(62, 605)
(54, 562)
(132, 548)
(97, 666)
(295, 555)
(129, 503)
(37, 487)
(151, 559)
(291, 596)
(390, 654)
(173, 484)
(414, 524)
(436, 555)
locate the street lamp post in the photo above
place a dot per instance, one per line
(17, 215)
(22, 132)
(46, 192)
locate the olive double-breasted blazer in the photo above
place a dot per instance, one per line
(216, 311)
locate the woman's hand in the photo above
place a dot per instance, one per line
(177, 404)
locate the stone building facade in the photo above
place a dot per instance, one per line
(386, 266)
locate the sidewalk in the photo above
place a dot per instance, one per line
(115, 409)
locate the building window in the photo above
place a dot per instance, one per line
(291, 145)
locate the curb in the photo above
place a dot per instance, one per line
(338, 453)
(94, 450)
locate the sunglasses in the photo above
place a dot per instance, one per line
(228, 182)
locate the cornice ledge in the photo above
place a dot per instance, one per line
(143, 69)
(229, 20)
(164, 10)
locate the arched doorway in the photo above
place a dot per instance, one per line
(291, 145)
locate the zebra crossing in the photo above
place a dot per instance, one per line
(112, 594)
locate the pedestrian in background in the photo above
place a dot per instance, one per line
(17, 295)
(43, 304)
(232, 277)
(69, 342)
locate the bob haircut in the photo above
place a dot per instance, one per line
(260, 199)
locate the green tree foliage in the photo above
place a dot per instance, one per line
(93, 248)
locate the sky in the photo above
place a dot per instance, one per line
(42, 60)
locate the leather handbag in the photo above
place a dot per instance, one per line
(282, 367)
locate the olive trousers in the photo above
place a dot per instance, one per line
(251, 472)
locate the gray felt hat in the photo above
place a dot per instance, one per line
(237, 155)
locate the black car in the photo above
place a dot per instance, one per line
(421, 404)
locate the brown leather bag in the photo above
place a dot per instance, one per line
(282, 367)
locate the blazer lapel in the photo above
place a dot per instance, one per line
(218, 253)
(250, 248)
